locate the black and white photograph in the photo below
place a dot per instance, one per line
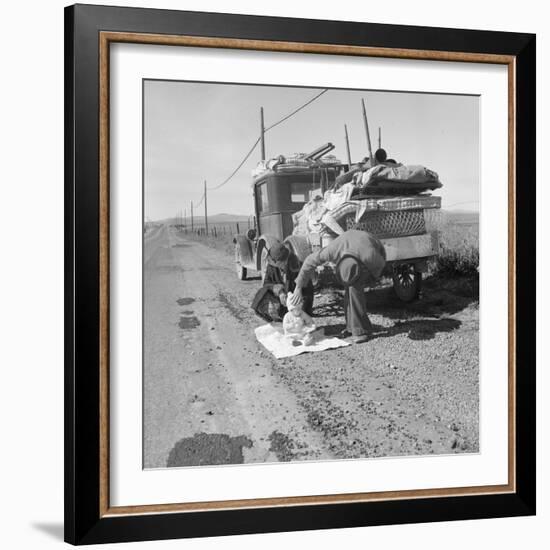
(310, 274)
(274, 275)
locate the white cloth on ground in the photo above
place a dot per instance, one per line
(274, 340)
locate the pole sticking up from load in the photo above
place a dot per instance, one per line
(367, 132)
(262, 133)
(347, 146)
(205, 210)
(379, 137)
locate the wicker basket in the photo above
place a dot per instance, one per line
(386, 224)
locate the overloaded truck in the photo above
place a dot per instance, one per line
(286, 189)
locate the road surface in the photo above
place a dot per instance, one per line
(214, 395)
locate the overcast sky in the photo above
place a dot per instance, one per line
(201, 131)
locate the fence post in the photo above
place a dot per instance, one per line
(237, 224)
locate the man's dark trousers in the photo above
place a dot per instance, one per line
(355, 307)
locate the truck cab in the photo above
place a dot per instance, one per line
(277, 196)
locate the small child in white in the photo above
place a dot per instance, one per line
(297, 324)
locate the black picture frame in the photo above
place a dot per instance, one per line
(84, 521)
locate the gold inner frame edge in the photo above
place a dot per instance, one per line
(105, 39)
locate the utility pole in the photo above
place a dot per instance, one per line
(262, 132)
(191, 215)
(205, 209)
(379, 137)
(185, 218)
(367, 132)
(347, 146)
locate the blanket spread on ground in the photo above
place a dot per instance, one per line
(272, 338)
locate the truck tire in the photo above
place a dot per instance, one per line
(407, 282)
(240, 269)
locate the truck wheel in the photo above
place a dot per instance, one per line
(406, 282)
(241, 270)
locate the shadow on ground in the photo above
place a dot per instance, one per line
(424, 329)
(439, 297)
(421, 319)
(420, 329)
(208, 449)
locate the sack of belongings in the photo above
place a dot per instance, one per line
(315, 216)
(268, 306)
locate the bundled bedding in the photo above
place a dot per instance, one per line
(387, 186)
(393, 178)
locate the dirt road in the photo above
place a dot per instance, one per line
(213, 395)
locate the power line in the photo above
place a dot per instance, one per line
(199, 203)
(266, 130)
(238, 167)
(297, 110)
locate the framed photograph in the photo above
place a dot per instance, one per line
(300, 274)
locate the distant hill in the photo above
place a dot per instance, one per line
(216, 219)
(226, 218)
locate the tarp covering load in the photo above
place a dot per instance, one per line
(389, 178)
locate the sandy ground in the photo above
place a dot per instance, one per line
(214, 395)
